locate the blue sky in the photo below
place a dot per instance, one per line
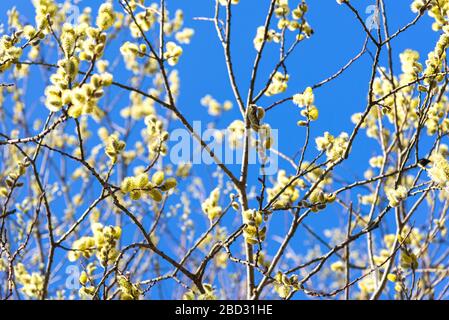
(337, 38)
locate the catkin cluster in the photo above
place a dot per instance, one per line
(211, 207)
(252, 232)
(306, 101)
(103, 244)
(141, 185)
